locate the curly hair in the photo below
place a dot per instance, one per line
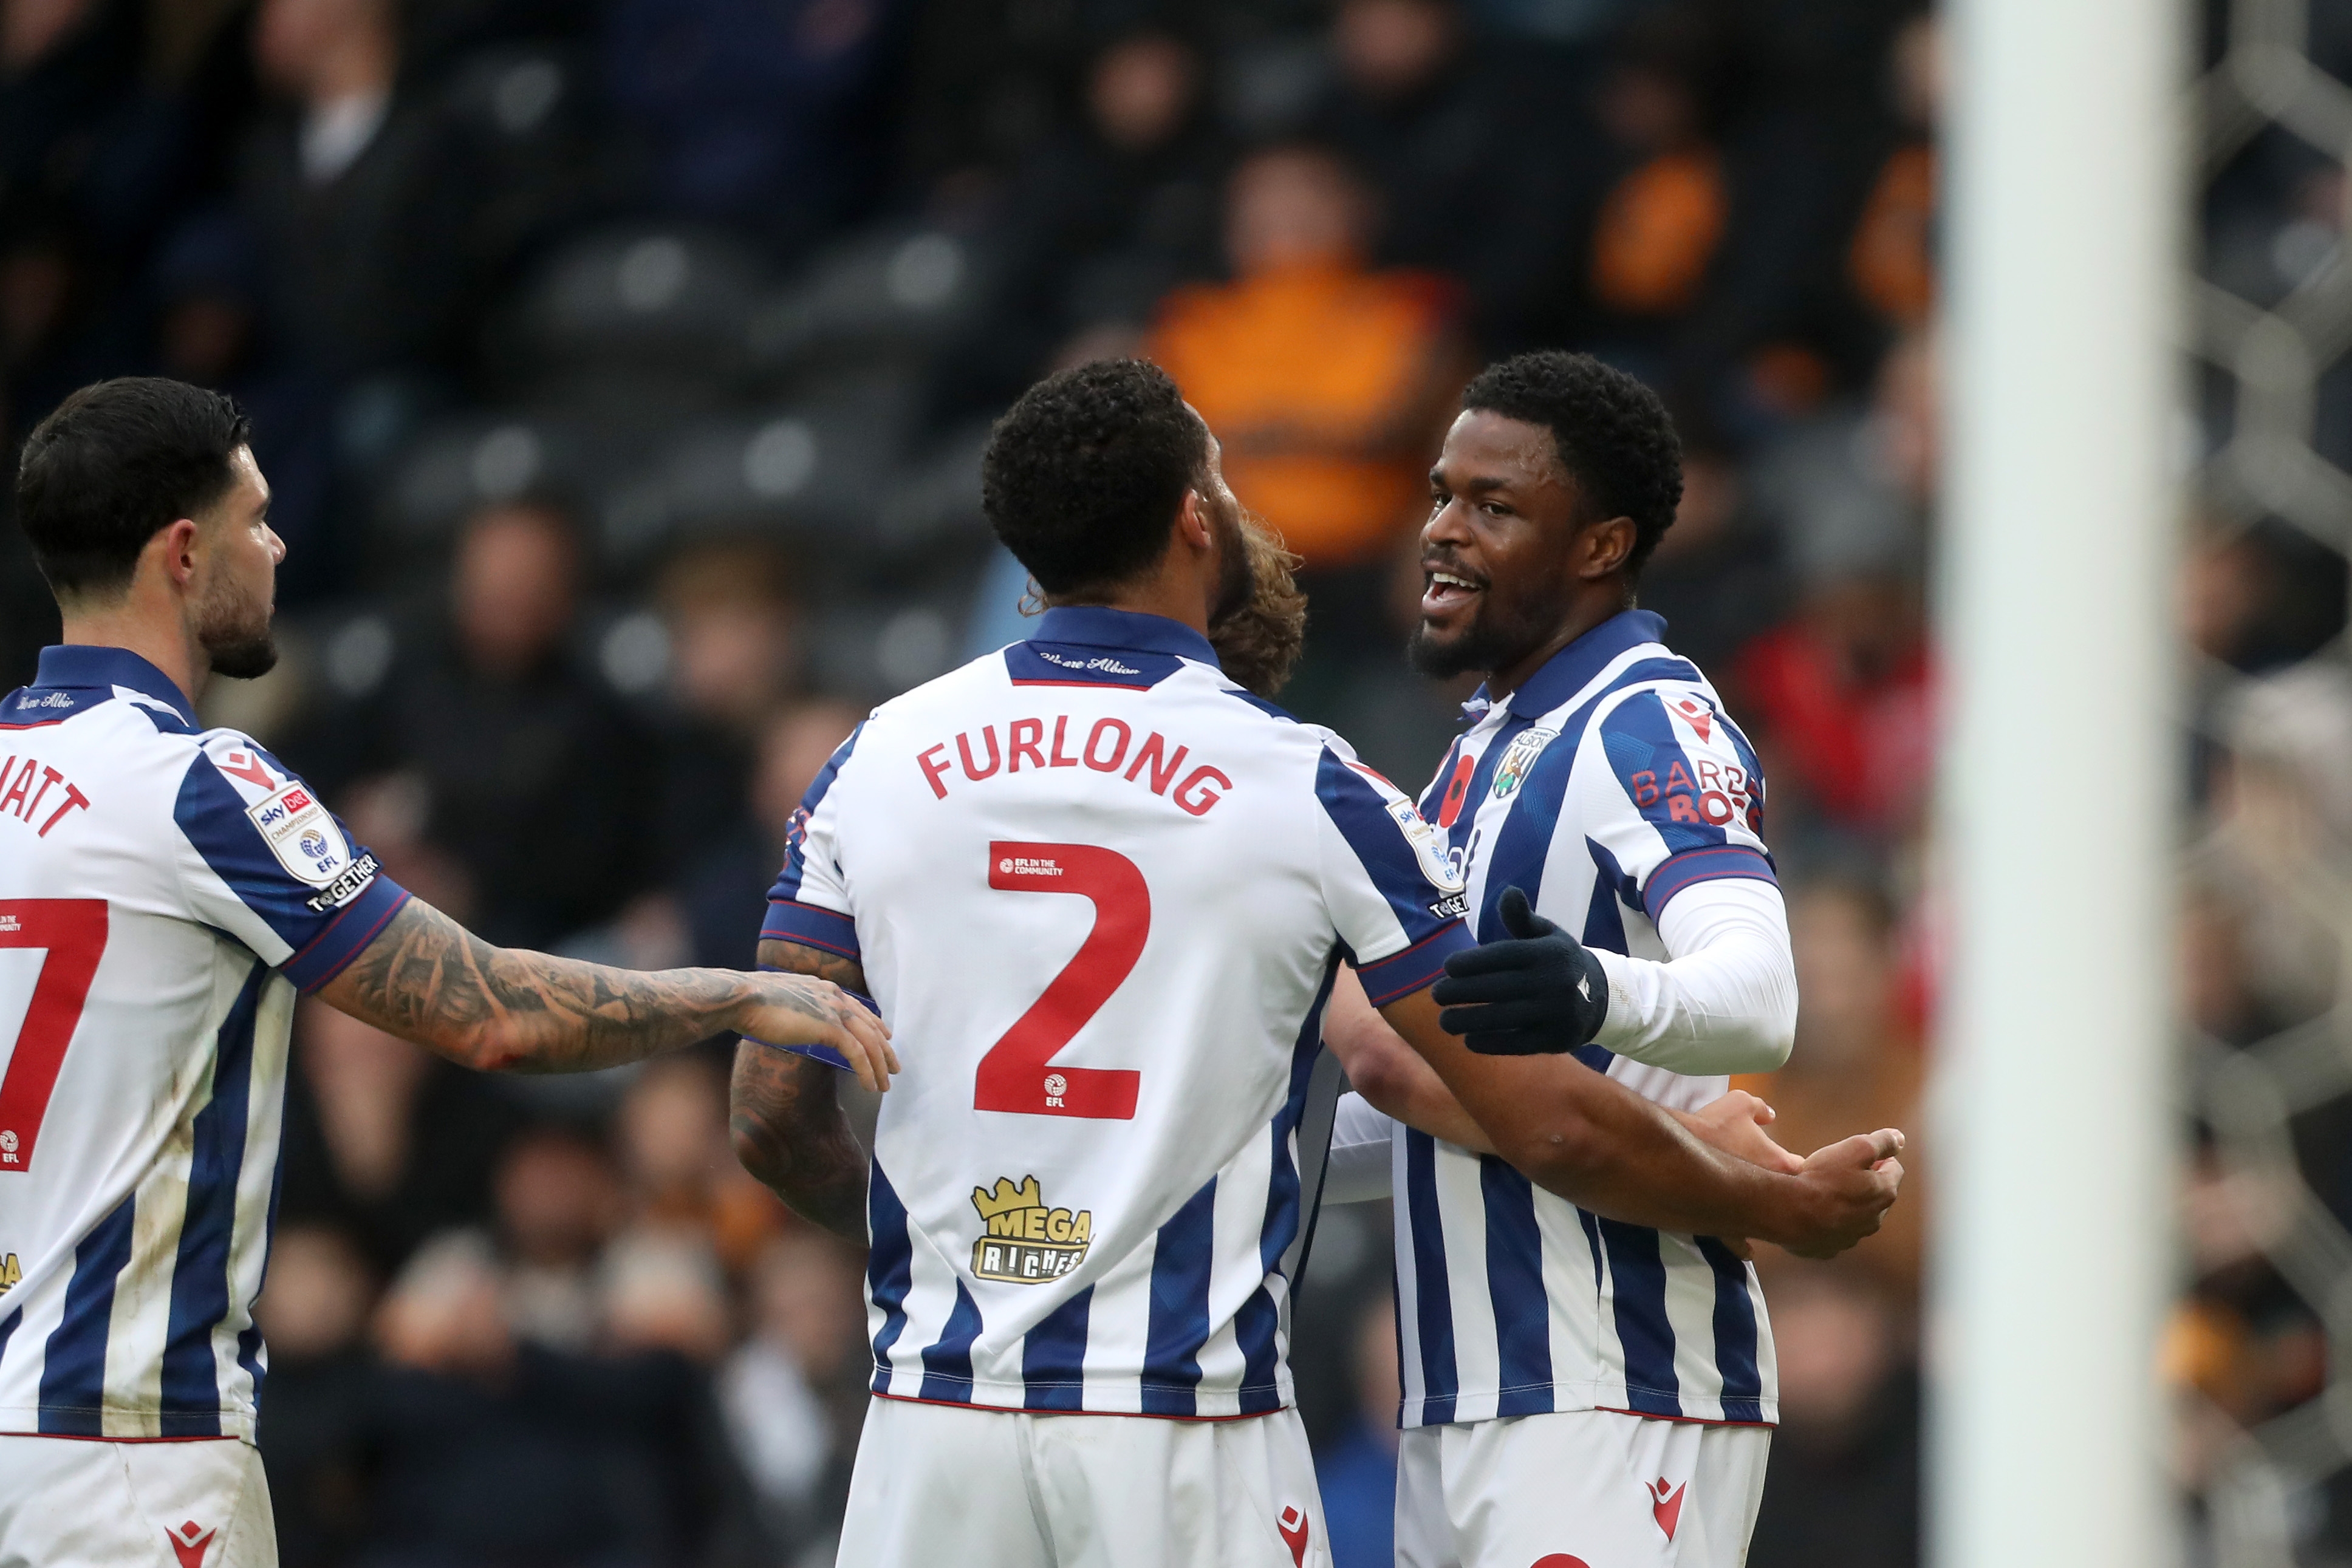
(1613, 435)
(1258, 640)
(1083, 476)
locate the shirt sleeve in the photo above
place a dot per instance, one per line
(1393, 894)
(1726, 998)
(265, 861)
(1678, 800)
(810, 900)
(1362, 1165)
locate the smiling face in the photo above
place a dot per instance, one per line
(1512, 569)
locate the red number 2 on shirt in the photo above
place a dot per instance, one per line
(1018, 1075)
(74, 932)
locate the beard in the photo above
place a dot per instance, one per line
(1494, 640)
(232, 629)
(1260, 622)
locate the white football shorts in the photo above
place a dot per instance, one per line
(73, 1502)
(999, 1488)
(1579, 1489)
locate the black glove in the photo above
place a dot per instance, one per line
(1535, 991)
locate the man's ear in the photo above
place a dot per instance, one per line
(1604, 547)
(1193, 525)
(173, 552)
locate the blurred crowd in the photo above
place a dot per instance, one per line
(621, 371)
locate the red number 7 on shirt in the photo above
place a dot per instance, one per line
(74, 932)
(1018, 1075)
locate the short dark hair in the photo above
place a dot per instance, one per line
(1613, 435)
(1083, 477)
(113, 464)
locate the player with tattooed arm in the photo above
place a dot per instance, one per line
(1104, 889)
(166, 890)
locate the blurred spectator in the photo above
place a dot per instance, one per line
(1892, 260)
(1478, 152)
(1102, 220)
(382, 1138)
(1857, 1064)
(313, 1313)
(794, 1392)
(734, 628)
(493, 1451)
(682, 1174)
(558, 1202)
(528, 771)
(769, 115)
(1663, 218)
(1844, 1488)
(1719, 576)
(362, 193)
(1325, 380)
(662, 1291)
(1841, 693)
(724, 893)
(1357, 1474)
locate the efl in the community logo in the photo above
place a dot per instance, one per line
(1023, 1242)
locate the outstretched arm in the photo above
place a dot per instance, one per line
(429, 980)
(1389, 1074)
(1578, 1133)
(783, 1111)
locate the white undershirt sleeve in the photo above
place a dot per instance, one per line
(1360, 1168)
(1726, 1000)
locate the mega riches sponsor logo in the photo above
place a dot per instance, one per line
(1023, 1241)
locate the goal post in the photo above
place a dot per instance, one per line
(2050, 1125)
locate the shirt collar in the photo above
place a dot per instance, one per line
(1572, 669)
(1098, 626)
(84, 664)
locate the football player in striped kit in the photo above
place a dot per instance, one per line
(166, 890)
(1578, 1388)
(1103, 892)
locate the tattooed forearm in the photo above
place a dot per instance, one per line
(794, 958)
(784, 1113)
(429, 979)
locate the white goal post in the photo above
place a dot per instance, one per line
(2051, 1122)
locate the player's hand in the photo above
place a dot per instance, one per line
(1734, 1124)
(1842, 1191)
(817, 1018)
(1534, 990)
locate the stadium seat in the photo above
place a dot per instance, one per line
(667, 301)
(891, 293)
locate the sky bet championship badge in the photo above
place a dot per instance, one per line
(1026, 1243)
(302, 834)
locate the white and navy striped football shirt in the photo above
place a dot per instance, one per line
(165, 891)
(1099, 892)
(1610, 781)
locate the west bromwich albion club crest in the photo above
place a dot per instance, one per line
(1521, 760)
(1025, 1242)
